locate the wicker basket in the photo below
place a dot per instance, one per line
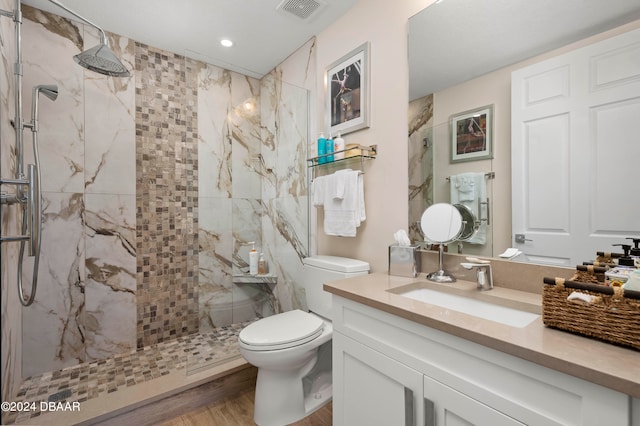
(613, 316)
(589, 274)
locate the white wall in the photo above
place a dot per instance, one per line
(384, 24)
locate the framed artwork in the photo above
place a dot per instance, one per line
(347, 92)
(472, 135)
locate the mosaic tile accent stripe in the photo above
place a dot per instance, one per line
(166, 197)
(91, 380)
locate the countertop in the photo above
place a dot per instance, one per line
(608, 365)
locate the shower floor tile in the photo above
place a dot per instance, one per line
(79, 383)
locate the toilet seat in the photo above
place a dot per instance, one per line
(282, 331)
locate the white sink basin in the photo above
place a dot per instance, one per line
(467, 305)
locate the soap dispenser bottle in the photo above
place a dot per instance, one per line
(635, 251)
(329, 148)
(338, 147)
(262, 265)
(625, 260)
(322, 149)
(253, 260)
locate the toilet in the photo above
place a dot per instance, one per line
(292, 350)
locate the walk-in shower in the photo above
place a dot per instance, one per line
(27, 186)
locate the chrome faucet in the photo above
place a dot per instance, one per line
(484, 275)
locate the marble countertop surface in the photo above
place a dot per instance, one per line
(609, 365)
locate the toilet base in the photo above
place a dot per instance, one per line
(286, 397)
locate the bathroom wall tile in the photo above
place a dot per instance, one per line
(285, 133)
(285, 222)
(166, 196)
(215, 242)
(420, 162)
(285, 226)
(110, 149)
(61, 123)
(11, 321)
(52, 327)
(214, 138)
(299, 69)
(229, 131)
(110, 302)
(247, 227)
(252, 301)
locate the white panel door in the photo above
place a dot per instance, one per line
(575, 152)
(372, 389)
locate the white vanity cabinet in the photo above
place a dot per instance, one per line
(388, 370)
(375, 389)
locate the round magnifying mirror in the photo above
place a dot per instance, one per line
(469, 223)
(441, 223)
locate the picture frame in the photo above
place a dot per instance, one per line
(472, 135)
(347, 92)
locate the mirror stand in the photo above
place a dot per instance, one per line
(441, 276)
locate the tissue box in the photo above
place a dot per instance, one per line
(404, 261)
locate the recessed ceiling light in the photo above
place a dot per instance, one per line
(226, 42)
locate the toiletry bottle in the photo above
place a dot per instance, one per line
(625, 260)
(322, 149)
(262, 265)
(635, 251)
(329, 149)
(253, 260)
(338, 148)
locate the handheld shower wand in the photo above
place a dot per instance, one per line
(32, 215)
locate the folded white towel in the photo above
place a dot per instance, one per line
(343, 215)
(362, 215)
(318, 189)
(463, 187)
(470, 189)
(337, 183)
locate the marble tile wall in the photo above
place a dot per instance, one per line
(151, 186)
(229, 182)
(11, 366)
(85, 308)
(284, 191)
(420, 162)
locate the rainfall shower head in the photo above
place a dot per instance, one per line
(101, 58)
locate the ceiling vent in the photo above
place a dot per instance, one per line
(303, 9)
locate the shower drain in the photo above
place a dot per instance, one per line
(58, 396)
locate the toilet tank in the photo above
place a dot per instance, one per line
(319, 270)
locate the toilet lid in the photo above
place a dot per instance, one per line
(285, 329)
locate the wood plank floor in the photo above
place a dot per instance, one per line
(238, 411)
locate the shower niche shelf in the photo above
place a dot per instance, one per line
(255, 279)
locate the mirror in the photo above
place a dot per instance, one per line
(448, 74)
(470, 225)
(442, 224)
